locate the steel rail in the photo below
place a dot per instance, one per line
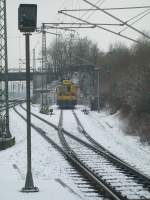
(98, 146)
(111, 190)
(115, 161)
(11, 105)
(136, 177)
(90, 172)
(100, 185)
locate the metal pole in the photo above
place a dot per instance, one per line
(4, 114)
(34, 61)
(98, 92)
(42, 67)
(29, 185)
(44, 107)
(34, 67)
(44, 58)
(6, 77)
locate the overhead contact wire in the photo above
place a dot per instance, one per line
(116, 18)
(136, 20)
(106, 29)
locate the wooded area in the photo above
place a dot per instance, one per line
(124, 76)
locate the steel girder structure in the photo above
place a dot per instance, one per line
(4, 105)
(44, 66)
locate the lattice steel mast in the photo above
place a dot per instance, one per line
(44, 58)
(44, 69)
(4, 114)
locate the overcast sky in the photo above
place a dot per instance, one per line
(47, 12)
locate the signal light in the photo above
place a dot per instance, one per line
(27, 17)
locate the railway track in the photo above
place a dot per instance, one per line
(115, 158)
(11, 104)
(121, 178)
(117, 179)
(83, 181)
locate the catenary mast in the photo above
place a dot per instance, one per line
(4, 111)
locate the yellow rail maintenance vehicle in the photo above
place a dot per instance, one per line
(66, 95)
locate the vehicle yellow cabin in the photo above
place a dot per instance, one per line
(66, 94)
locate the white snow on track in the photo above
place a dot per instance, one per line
(106, 130)
(53, 118)
(48, 168)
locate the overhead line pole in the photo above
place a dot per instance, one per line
(44, 106)
(108, 30)
(44, 109)
(6, 75)
(43, 34)
(4, 97)
(116, 18)
(43, 30)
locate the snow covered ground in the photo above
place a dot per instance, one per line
(49, 167)
(106, 129)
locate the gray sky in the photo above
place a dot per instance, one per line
(47, 12)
